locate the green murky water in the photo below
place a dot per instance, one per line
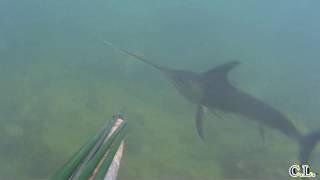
(59, 84)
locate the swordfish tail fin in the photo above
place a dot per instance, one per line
(307, 144)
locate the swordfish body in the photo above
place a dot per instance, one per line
(212, 89)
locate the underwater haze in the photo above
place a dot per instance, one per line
(60, 83)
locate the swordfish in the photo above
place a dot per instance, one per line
(212, 90)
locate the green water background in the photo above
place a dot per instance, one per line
(60, 84)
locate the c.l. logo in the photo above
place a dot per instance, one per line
(301, 171)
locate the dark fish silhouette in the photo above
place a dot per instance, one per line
(213, 90)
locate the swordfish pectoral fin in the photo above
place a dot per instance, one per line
(262, 134)
(199, 120)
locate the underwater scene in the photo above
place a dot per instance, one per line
(211, 90)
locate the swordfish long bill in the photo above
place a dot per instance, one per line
(136, 56)
(213, 90)
(189, 84)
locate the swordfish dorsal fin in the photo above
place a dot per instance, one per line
(220, 71)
